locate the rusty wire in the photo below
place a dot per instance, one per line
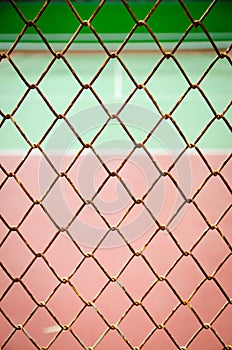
(194, 23)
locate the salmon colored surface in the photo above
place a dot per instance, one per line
(60, 285)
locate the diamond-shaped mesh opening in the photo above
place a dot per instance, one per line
(70, 305)
(218, 127)
(105, 257)
(190, 227)
(213, 185)
(40, 289)
(117, 83)
(70, 254)
(84, 283)
(136, 316)
(167, 93)
(8, 132)
(57, 26)
(182, 325)
(15, 254)
(46, 230)
(77, 59)
(54, 89)
(202, 62)
(161, 240)
(160, 311)
(215, 301)
(10, 82)
(115, 175)
(149, 61)
(192, 111)
(24, 306)
(218, 251)
(158, 23)
(25, 118)
(88, 327)
(13, 210)
(39, 333)
(103, 20)
(218, 93)
(38, 60)
(137, 267)
(195, 276)
(114, 313)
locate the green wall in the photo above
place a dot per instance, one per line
(113, 16)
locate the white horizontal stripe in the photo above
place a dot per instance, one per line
(102, 152)
(194, 45)
(117, 36)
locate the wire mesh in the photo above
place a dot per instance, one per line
(92, 255)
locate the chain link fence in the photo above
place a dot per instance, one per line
(91, 254)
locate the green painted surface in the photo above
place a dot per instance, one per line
(113, 17)
(113, 86)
